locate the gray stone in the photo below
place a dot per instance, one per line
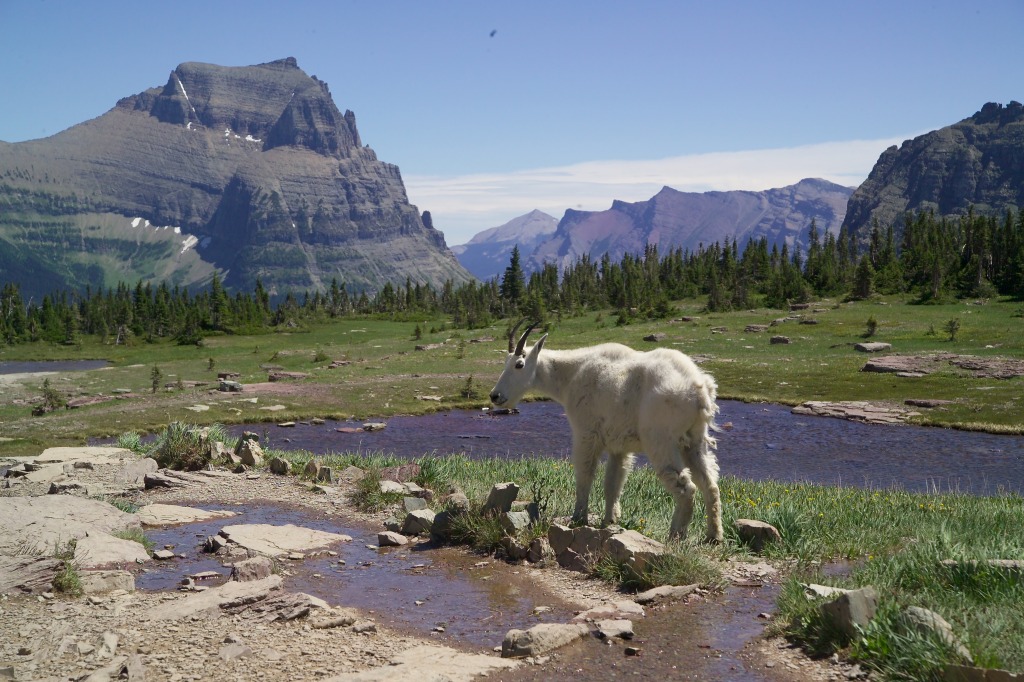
(325, 475)
(418, 522)
(614, 627)
(501, 497)
(101, 549)
(312, 469)
(279, 466)
(39, 524)
(213, 600)
(457, 502)
(541, 639)
(633, 550)
(374, 426)
(624, 608)
(172, 514)
(232, 651)
(540, 550)
(99, 582)
(930, 623)
(441, 528)
(279, 541)
(776, 340)
(813, 591)
(560, 537)
(163, 554)
(411, 504)
(664, 593)
(755, 328)
(514, 550)
(256, 568)
(428, 663)
(70, 486)
(351, 474)
(514, 521)
(872, 346)
(966, 673)
(230, 386)
(572, 561)
(757, 534)
(250, 452)
(134, 473)
(393, 524)
(590, 542)
(388, 487)
(391, 539)
(32, 574)
(852, 610)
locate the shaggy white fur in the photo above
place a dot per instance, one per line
(621, 401)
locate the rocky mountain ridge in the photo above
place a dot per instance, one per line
(253, 171)
(487, 253)
(976, 163)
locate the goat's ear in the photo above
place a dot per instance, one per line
(537, 346)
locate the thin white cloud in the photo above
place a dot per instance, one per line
(463, 205)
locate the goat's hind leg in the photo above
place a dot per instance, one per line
(682, 490)
(615, 473)
(704, 468)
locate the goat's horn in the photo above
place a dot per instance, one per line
(512, 335)
(522, 339)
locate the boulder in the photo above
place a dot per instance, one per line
(312, 469)
(256, 568)
(213, 600)
(501, 497)
(441, 528)
(757, 534)
(36, 525)
(351, 474)
(541, 639)
(101, 549)
(655, 337)
(633, 550)
(325, 475)
(513, 549)
(250, 453)
(67, 487)
(99, 582)
(390, 538)
(755, 328)
(514, 521)
(388, 487)
(614, 627)
(281, 467)
(776, 340)
(33, 574)
(411, 504)
(851, 610)
(540, 550)
(401, 473)
(930, 623)
(560, 537)
(418, 522)
(135, 472)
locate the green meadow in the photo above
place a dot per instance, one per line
(848, 537)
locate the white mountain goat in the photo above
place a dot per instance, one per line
(620, 401)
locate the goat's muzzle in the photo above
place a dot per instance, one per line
(497, 398)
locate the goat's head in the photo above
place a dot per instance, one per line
(520, 367)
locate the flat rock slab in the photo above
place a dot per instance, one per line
(27, 573)
(213, 600)
(170, 514)
(37, 524)
(857, 410)
(102, 549)
(280, 541)
(95, 454)
(612, 610)
(428, 663)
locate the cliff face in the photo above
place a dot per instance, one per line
(686, 220)
(254, 171)
(977, 162)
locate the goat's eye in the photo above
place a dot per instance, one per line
(520, 363)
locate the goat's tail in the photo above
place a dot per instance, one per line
(707, 394)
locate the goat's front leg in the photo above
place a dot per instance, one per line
(584, 464)
(615, 473)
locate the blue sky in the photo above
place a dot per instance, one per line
(568, 104)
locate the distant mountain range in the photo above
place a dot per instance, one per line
(669, 219)
(978, 162)
(250, 171)
(487, 253)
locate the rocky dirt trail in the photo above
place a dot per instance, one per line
(285, 625)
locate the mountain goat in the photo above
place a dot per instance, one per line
(622, 401)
